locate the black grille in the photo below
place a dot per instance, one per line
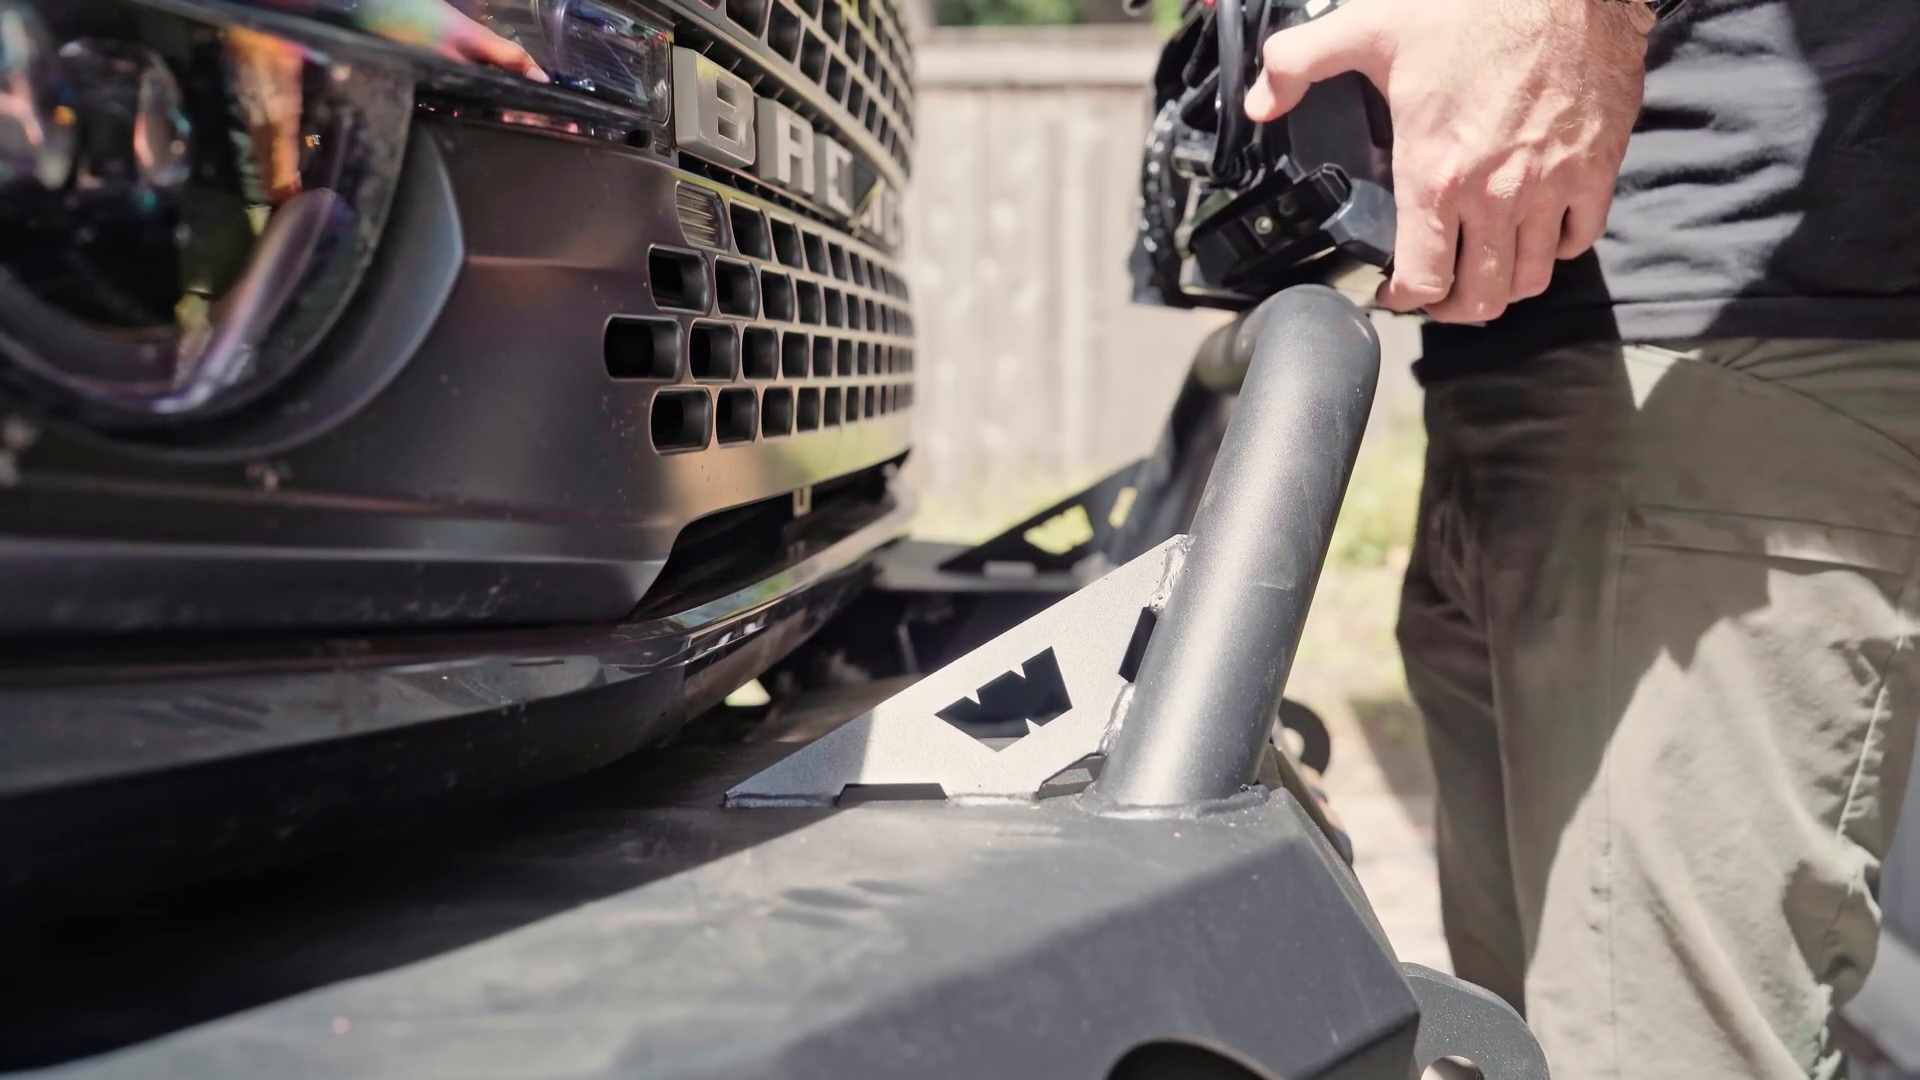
(853, 55)
(699, 216)
(794, 327)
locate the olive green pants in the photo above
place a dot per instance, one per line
(1658, 620)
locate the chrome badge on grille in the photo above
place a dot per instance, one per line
(716, 116)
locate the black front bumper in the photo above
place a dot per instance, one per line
(134, 767)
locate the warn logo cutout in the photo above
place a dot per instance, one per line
(1013, 705)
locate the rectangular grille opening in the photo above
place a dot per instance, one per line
(843, 358)
(832, 20)
(776, 295)
(837, 257)
(678, 279)
(836, 307)
(859, 267)
(642, 348)
(836, 80)
(776, 413)
(886, 400)
(751, 14)
(713, 352)
(822, 357)
(856, 48)
(736, 416)
(872, 314)
(699, 215)
(793, 356)
(813, 58)
(783, 32)
(808, 416)
(867, 398)
(856, 98)
(786, 242)
(760, 352)
(832, 406)
(809, 297)
(681, 419)
(864, 365)
(867, 65)
(854, 319)
(750, 231)
(816, 252)
(733, 288)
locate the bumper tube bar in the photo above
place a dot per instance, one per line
(1213, 673)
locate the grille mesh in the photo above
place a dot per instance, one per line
(699, 216)
(793, 327)
(855, 53)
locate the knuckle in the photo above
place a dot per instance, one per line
(1531, 284)
(1277, 57)
(1445, 185)
(1483, 310)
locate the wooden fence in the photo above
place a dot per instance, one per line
(1037, 373)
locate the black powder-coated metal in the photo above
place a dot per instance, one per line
(1213, 674)
(626, 925)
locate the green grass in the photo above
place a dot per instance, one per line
(1374, 531)
(1376, 520)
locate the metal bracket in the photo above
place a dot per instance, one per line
(1001, 721)
(1461, 1020)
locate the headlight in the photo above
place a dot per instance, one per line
(190, 190)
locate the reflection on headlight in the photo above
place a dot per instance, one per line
(136, 137)
(612, 49)
(36, 128)
(185, 206)
(441, 28)
(266, 84)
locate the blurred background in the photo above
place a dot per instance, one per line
(1040, 376)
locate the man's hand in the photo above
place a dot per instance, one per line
(441, 27)
(1510, 120)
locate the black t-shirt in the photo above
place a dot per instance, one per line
(1771, 189)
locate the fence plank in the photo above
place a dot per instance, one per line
(1038, 372)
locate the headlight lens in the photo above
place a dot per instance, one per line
(190, 192)
(223, 192)
(610, 49)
